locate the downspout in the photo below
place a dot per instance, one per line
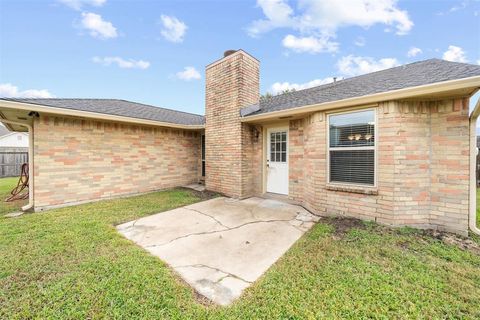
(473, 163)
(30, 161)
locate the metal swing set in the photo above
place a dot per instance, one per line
(20, 192)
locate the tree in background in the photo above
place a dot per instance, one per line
(267, 96)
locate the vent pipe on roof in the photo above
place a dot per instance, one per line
(228, 52)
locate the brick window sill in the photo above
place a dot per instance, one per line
(352, 189)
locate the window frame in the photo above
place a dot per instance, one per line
(374, 148)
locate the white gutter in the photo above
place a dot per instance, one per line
(92, 115)
(472, 221)
(30, 161)
(424, 90)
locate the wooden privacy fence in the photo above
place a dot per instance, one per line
(11, 163)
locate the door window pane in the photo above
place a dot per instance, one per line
(278, 147)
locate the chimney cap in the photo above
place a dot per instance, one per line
(228, 52)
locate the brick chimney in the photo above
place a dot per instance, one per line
(231, 84)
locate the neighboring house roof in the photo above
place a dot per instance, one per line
(14, 140)
(119, 108)
(405, 76)
(3, 131)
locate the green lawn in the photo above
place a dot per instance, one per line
(71, 263)
(478, 208)
(6, 185)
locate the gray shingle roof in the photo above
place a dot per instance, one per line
(409, 75)
(120, 108)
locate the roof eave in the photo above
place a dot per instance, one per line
(411, 92)
(93, 115)
(12, 133)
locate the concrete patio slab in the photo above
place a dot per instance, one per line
(222, 245)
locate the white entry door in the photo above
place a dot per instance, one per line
(277, 160)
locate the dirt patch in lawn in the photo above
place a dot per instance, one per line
(204, 195)
(343, 225)
(456, 240)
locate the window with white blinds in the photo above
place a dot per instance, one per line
(352, 147)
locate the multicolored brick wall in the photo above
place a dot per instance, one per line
(450, 165)
(422, 168)
(83, 160)
(404, 148)
(231, 84)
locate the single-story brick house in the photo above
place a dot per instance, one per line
(396, 146)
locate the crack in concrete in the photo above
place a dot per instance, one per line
(130, 226)
(299, 228)
(227, 274)
(251, 209)
(217, 231)
(224, 277)
(207, 215)
(133, 224)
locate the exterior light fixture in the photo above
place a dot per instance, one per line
(256, 134)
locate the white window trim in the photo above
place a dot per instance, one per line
(375, 148)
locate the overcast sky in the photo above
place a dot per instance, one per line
(155, 52)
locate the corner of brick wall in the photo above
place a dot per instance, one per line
(450, 165)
